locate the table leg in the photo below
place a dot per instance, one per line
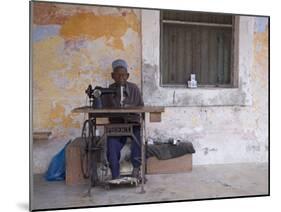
(142, 121)
(91, 169)
(90, 158)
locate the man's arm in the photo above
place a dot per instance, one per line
(140, 99)
(137, 97)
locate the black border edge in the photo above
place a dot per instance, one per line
(149, 203)
(268, 106)
(142, 203)
(30, 207)
(144, 8)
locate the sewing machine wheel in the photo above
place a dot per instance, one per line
(87, 135)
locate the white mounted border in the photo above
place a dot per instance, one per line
(154, 94)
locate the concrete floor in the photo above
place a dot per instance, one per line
(209, 181)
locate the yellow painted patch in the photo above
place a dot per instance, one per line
(261, 57)
(93, 26)
(45, 54)
(41, 110)
(57, 112)
(133, 21)
(118, 44)
(46, 61)
(136, 73)
(59, 118)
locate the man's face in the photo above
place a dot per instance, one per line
(120, 75)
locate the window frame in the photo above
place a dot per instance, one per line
(233, 79)
(154, 94)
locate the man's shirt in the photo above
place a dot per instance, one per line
(132, 98)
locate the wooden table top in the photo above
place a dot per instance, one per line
(150, 109)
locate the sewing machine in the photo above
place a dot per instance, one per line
(94, 148)
(96, 94)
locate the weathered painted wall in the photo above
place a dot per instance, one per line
(220, 131)
(73, 46)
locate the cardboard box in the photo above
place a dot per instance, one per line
(73, 171)
(170, 166)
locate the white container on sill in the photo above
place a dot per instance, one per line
(192, 83)
(192, 77)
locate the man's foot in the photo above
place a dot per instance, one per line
(116, 178)
(136, 173)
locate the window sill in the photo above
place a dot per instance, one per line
(202, 96)
(198, 87)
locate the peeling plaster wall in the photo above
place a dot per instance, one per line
(73, 46)
(221, 130)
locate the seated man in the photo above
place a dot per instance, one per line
(131, 97)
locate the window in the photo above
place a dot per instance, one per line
(196, 43)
